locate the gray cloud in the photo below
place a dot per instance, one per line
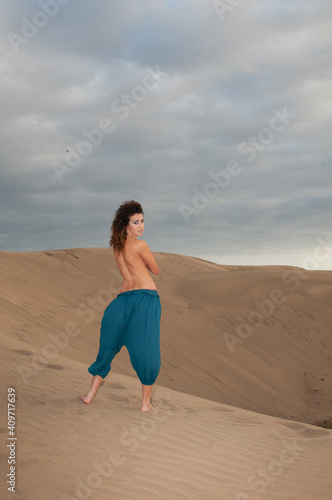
(222, 84)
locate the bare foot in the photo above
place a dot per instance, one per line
(147, 408)
(88, 398)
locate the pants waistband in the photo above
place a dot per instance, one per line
(139, 290)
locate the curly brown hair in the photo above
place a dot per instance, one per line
(120, 223)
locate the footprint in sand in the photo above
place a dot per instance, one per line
(89, 416)
(133, 396)
(166, 404)
(190, 410)
(22, 351)
(114, 385)
(119, 399)
(25, 352)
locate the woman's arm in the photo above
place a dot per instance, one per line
(148, 257)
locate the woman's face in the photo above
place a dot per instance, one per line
(136, 225)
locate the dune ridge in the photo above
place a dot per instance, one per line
(210, 347)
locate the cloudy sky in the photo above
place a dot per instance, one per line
(214, 115)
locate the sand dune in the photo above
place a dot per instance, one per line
(246, 358)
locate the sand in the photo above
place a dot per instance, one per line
(246, 373)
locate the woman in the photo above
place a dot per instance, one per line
(133, 317)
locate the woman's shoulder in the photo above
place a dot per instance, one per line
(136, 245)
(140, 244)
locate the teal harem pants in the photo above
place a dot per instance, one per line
(132, 319)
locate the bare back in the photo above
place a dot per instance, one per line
(134, 264)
